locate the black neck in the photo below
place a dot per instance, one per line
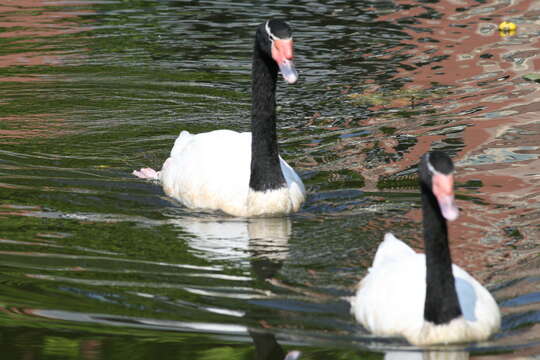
(441, 305)
(265, 167)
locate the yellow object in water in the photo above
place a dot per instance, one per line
(507, 26)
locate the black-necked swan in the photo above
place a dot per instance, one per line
(240, 174)
(441, 305)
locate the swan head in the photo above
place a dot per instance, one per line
(437, 173)
(277, 42)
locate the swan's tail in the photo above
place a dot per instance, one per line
(147, 174)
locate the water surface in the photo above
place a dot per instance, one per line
(96, 264)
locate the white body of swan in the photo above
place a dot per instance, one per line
(211, 171)
(390, 300)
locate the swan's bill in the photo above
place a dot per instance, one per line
(443, 189)
(282, 53)
(288, 71)
(448, 208)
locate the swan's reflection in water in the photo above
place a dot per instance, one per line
(407, 355)
(426, 355)
(266, 346)
(259, 243)
(234, 240)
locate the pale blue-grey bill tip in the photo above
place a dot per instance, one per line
(448, 207)
(288, 71)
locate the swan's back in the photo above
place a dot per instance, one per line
(209, 170)
(390, 250)
(390, 298)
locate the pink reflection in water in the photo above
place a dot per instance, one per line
(483, 71)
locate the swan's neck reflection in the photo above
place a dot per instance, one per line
(261, 243)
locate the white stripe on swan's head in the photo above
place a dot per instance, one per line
(271, 35)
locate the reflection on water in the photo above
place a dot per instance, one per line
(95, 264)
(428, 355)
(234, 239)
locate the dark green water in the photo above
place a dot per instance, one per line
(96, 264)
